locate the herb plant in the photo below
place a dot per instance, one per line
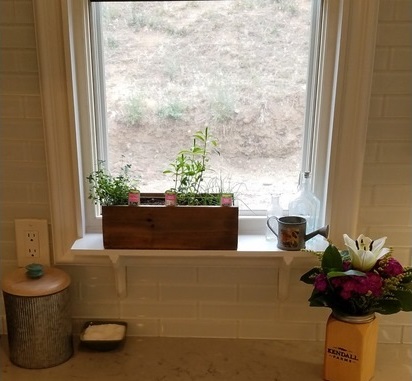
(189, 169)
(107, 189)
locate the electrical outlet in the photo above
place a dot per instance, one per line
(32, 247)
(32, 242)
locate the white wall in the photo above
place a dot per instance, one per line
(224, 298)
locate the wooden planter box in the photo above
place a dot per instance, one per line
(169, 227)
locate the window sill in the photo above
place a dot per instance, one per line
(249, 246)
(90, 250)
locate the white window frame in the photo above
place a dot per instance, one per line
(347, 56)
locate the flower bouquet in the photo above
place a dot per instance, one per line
(361, 280)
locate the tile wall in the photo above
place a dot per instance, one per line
(233, 298)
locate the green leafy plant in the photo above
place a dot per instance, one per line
(108, 189)
(361, 280)
(189, 169)
(173, 110)
(133, 110)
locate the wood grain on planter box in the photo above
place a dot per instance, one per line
(161, 227)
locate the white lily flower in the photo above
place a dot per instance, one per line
(364, 252)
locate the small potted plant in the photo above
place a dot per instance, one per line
(198, 222)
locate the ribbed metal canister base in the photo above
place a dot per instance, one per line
(39, 329)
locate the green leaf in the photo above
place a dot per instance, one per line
(308, 277)
(334, 274)
(317, 299)
(405, 299)
(331, 259)
(389, 306)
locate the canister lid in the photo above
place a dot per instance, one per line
(52, 281)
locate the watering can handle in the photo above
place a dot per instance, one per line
(270, 227)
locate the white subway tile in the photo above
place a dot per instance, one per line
(393, 195)
(389, 334)
(12, 129)
(74, 290)
(234, 275)
(32, 106)
(382, 58)
(321, 331)
(90, 274)
(398, 106)
(37, 151)
(143, 291)
(15, 150)
(303, 313)
(142, 327)
(387, 174)
(389, 129)
(198, 328)
(371, 152)
(39, 193)
(386, 10)
(11, 106)
(8, 250)
(278, 330)
(13, 211)
(393, 34)
(404, 256)
(395, 152)
(398, 235)
(24, 12)
(407, 335)
(401, 58)
(8, 232)
(368, 195)
(25, 172)
(299, 293)
(257, 294)
(236, 311)
(6, 12)
(102, 310)
(402, 10)
(391, 83)
(383, 215)
(21, 36)
(401, 318)
(98, 292)
(196, 292)
(20, 84)
(376, 106)
(153, 310)
(162, 274)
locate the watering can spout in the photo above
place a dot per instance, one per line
(324, 232)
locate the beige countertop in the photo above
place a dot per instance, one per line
(169, 359)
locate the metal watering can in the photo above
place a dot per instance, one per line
(292, 232)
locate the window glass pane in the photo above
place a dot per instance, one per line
(237, 67)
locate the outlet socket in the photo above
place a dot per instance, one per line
(32, 242)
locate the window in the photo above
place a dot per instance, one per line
(346, 61)
(165, 70)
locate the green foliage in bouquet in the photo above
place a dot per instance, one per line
(361, 280)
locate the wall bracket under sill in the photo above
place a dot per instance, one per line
(253, 247)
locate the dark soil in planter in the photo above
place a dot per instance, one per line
(152, 199)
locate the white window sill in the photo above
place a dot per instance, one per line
(90, 250)
(254, 246)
